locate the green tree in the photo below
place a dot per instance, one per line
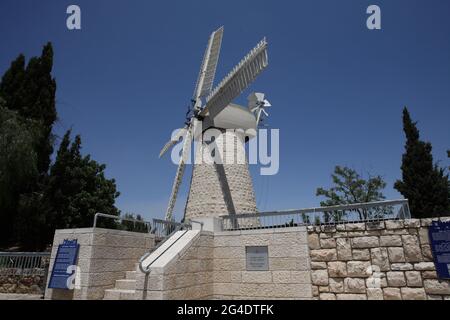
(77, 188)
(31, 92)
(349, 187)
(140, 226)
(18, 167)
(423, 183)
(27, 115)
(12, 82)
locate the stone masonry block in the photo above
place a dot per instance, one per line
(361, 254)
(358, 268)
(396, 254)
(413, 294)
(391, 241)
(365, 242)
(319, 277)
(396, 279)
(337, 269)
(413, 279)
(344, 249)
(323, 255)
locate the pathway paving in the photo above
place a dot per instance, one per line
(18, 296)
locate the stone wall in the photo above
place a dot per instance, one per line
(184, 271)
(288, 276)
(388, 260)
(32, 284)
(213, 266)
(104, 257)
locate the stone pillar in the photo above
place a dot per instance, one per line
(221, 188)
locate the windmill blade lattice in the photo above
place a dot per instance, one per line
(242, 75)
(209, 64)
(179, 175)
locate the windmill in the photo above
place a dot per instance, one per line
(219, 189)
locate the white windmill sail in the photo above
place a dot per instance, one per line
(179, 174)
(242, 75)
(229, 88)
(174, 140)
(209, 64)
(203, 88)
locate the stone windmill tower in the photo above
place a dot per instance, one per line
(220, 182)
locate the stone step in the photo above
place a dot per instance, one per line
(118, 294)
(126, 284)
(130, 275)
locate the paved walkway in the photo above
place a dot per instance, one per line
(17, 296)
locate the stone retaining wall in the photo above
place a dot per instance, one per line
(388, 260)
(32, 284)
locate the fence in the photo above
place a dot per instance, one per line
(160, 228)
(24, 263)
(358, 212)
(129, 224)
(163, 228)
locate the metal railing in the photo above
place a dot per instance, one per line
(24, 263)
(160, 228)
(351, 213)
(165, 227)
(110, 216)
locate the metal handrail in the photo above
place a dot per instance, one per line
(104, 215)
(146, 255)
(198, 222)
(253, 220)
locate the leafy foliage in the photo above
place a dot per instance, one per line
(27, 116)
(349, 187)
(18, 166)
(34, 200)
(423, 183)
(31, 92)
(77, 188)
(140, 226)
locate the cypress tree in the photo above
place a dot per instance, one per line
(31, 92)
(29, 112)
(18, 167)
(423, 183)
(77, 188)
(12, 82)
(38, 92)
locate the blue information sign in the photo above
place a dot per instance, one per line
(439, 233)
(66, 256)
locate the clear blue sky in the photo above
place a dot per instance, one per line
(337, 89)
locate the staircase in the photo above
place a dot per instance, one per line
(124, 288)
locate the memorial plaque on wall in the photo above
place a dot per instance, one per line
(439, 233)
(257, 258)
(66, 256)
